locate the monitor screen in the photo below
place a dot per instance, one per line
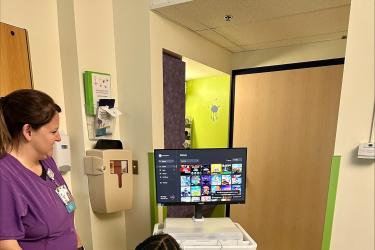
(200, 176)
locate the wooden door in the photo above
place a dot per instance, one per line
(15, 71)
(287, 119)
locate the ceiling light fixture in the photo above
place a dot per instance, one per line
(228, 18)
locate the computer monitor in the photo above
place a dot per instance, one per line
(200, 176)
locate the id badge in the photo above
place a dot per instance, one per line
(66, 197)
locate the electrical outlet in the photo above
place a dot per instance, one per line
(135, 167)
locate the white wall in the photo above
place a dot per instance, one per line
(354, 213)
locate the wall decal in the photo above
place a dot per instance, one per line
(214, 108)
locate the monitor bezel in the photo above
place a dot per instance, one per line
(200, 202)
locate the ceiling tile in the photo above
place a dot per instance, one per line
(291, 27)
(213, 36)
(261, 24)
(211, 13)
(181, 18)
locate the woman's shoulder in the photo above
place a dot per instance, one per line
(6, 162)
(8, 167)
(5, 157)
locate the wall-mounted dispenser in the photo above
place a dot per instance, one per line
(110, 178)
(61, 153)
(366, 151)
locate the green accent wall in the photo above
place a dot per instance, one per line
(333, 180)
(210, 129)
(203, 97)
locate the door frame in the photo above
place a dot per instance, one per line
(290, 66)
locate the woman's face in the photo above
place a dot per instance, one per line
(43, 138)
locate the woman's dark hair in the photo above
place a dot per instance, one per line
(24, 106)
(159, 242)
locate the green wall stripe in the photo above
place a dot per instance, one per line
(219, 211)
(153, 205)
(165, 212)
(333, 180)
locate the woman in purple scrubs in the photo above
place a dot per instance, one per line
(36, 207)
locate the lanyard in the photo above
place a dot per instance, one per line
(63, 192)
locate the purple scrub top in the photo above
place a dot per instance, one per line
(31, 212)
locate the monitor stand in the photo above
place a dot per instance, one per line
(198, 213)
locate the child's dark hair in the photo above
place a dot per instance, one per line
(159, 242)
(24, 106)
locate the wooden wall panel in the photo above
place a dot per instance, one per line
(287, 120)
(15, 71)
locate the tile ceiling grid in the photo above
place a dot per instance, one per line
(262, 24)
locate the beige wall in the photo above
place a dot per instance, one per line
(86, 43)
(354, 213)
(167, 35)
(39, 17)
(134, 87)
(66, 38)
(75, 117)
(95, 51)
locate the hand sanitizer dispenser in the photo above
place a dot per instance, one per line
(61, 154)
(110, 179)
